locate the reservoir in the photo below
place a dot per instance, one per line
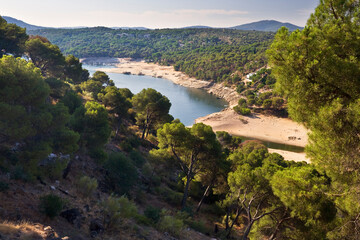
(187, 104)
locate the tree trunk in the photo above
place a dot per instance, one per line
(147, 132)
(186, 192)
(238, 211)
(247, 230)
(203, 197)
(143, 133)
(187, 185)
(276, 230)
(227, 218)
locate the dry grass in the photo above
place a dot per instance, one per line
(22, 230)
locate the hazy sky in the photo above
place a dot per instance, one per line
(156, 13)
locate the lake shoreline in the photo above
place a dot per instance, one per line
(140, 67)
(258, 126)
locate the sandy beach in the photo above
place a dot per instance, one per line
(267, 128)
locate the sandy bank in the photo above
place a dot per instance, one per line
(267, 128)
(297, 157)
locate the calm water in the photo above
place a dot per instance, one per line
(187, 104)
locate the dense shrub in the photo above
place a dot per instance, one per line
(116, 208)
(51, 205)
(54, 169)
(199, 226)
(277, 102)
(143, 220)
(98, 154)
(152, 213)
(86, 186)
(137, 158)
(122, 174)
(241, 87)
(242, 110)
(242, 102)
(171, 224)
(170, 196)
(267, 103)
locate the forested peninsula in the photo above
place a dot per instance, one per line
(83, 159)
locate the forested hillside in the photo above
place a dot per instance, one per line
(84, 159)
(210, 54)
(267, 25)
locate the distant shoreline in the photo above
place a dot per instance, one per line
(258, 126)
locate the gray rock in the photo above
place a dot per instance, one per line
(71, 215)
(96, 227)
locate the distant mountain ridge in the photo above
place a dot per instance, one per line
(198, 26)
(266, 26)
(22, 23)
(131, 28)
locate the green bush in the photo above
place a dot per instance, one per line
(277, 102)
(242, 103)
(199, 226)
(130, 143)
(267, 103)
(213, 209)
(242, 111)
(126, 146)
(260, 86)
(134, 141)
(116, 208)
(122, 174)
(251, 100)
(171, 225)
(258, 102)
(99, 155)
(55, 169)
(51, 205)
(170, 196)
(152, 213)
(137, 158)
(249, 93)
(265, 95)
(86, 186)
(143, 220)
(241, 87)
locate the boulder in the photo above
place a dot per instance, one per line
(71, 215)
(96, 227)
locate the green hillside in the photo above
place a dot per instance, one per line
(209, 54)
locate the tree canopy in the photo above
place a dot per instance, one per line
(45, 56)
(12, 38)
(318, 71)
(151, 109)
